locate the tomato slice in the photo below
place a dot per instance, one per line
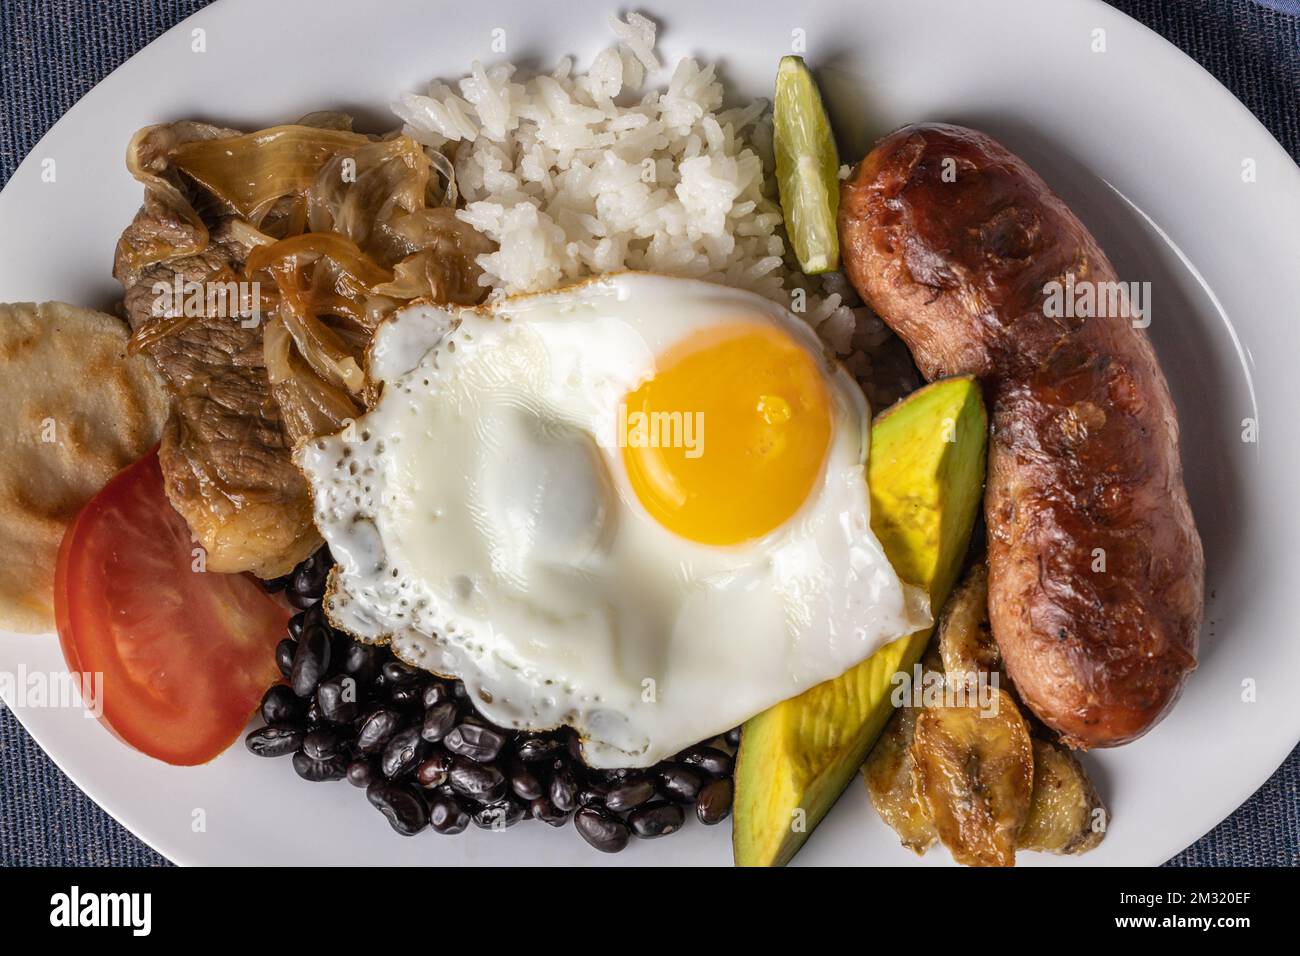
(185, 654)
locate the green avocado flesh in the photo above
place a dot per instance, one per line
(925, 472)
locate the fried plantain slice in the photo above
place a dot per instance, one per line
(966, 642)
(1065, 814)
(974, 774)
(968, 772)
(888, 773)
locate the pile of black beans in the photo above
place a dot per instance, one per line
(426, 759)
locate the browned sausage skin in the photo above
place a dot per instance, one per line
(1096, 570)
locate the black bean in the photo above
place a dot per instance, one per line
(574, 743)
(714, 803)
(480, 783)
(446, 815)
(656, 819)
(284, 652)
(434, 693)
(314, 616)
(309, 578)
(479, 772)
(532, 747)
(337, 698)
(523, 781)
(359, 661)
(307, 584)
(403, 751)
(281, 706)
(276, 585)
(438, 721)
(299, 600)
(399, 672)
(593, 793)
(679, 782)
(405, 695)
(331, 768)
(340, 641)
(377, 728)
(322, 560)
(433, 770)
(311, 660)
(500, 815)
(602, 830)
(542, 809)
(564, 787)
(274, 741)
(320, 743)
(480, 744)
(712, 761)
(631, 793)
(403, 806)
(732, 737)
(360, 773)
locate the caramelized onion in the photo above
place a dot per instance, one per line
(148, 159)
(357, 272)
(340, 229)
(308, 405)
(251, 172)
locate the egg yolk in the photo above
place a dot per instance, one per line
(728, 438)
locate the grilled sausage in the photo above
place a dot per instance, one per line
(1096, 569)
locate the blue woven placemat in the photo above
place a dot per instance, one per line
(52, 52)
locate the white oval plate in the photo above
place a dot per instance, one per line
(1142, 142)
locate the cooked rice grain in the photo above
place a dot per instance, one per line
(578, 174)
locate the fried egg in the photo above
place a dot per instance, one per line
(636, 506)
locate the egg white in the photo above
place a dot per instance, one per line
(483, 522)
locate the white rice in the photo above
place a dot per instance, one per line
(579, 174)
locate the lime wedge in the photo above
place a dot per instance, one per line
(807, 167)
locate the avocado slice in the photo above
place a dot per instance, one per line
(925, 472)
